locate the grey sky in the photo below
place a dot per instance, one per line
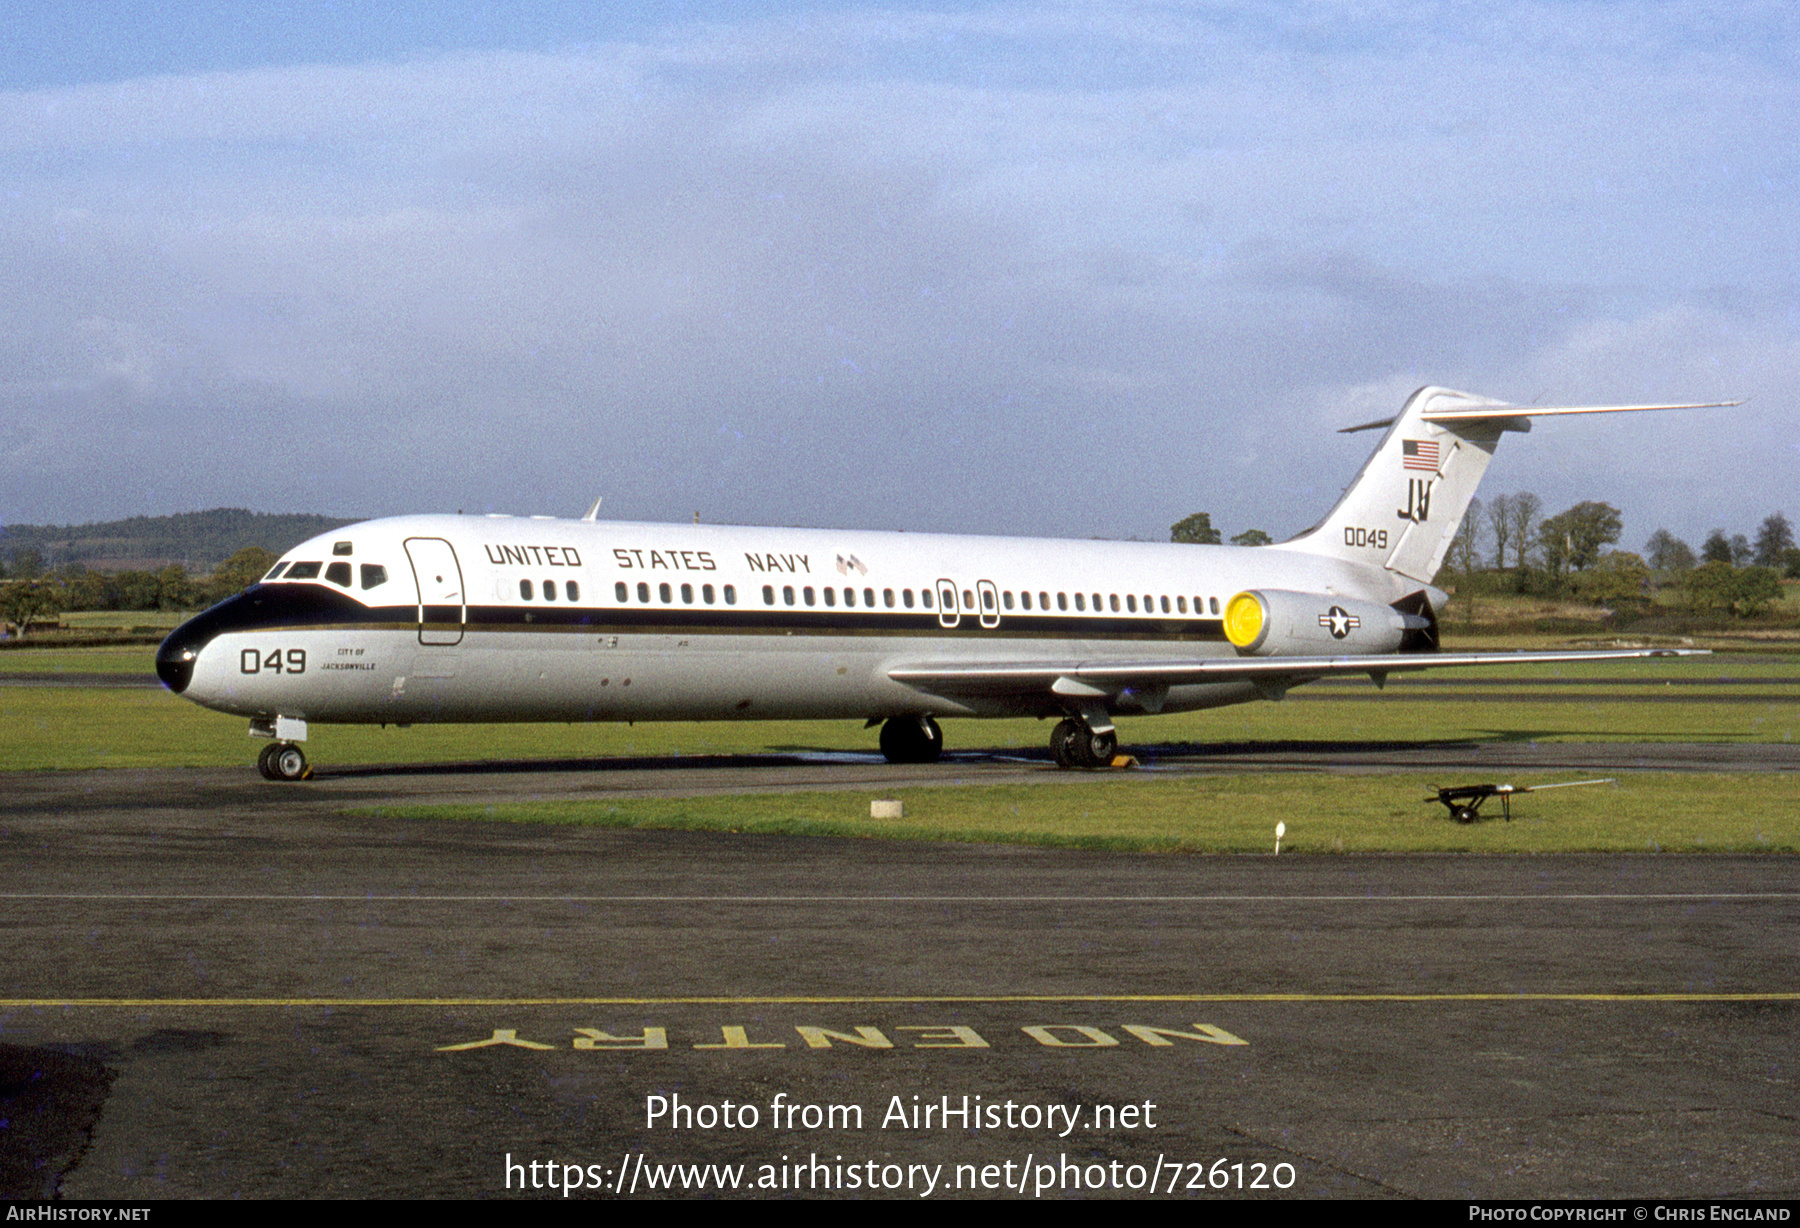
(1071, 270)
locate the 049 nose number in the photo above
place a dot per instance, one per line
(274, 661)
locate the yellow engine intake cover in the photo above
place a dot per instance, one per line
(1244, 619)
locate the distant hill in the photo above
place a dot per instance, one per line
(199, 540)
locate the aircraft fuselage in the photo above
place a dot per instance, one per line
(482, 618)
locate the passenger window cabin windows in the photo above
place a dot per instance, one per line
(1006, 598)
(869, 598)
(830, 596)
(731, 594)
(1165, 605)
(549, 590)
(687, 594)
(339, 573)
(663, 591)
(1043, 601)
(1115, 602)
(620, 591)
(768, 594)
(572, 590)
(787, 593)
(1062, 601)
(643, 592)
(1130, 603)
(925, 597)
(887, 597)
(1080, 602)
(706, 593)
(906, 597)
(374, 575)
(807, 594)
(1215, 605)
(987, 599)
(1181, 605)
(968, 600)
(525, 589)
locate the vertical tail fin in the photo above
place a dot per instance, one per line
(1403, 509)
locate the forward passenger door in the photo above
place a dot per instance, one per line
(442, 607)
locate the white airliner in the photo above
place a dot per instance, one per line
(420, 619)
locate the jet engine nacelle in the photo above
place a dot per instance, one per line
(1274, 623)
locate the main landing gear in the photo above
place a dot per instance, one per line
(911, 739)
(1074, 745)
(283, 761)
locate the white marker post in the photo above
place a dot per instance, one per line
(1280, 831)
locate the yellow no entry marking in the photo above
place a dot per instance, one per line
(902, 1000)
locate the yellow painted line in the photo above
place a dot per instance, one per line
(901, 1000)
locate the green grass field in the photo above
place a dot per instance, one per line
(121, 659)
(1649, 812)
(56, 727)
(1727, 698)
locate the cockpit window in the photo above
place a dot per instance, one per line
(339, 573)
(343, 548)
(275, 571)
(304, 571)
(373, 575)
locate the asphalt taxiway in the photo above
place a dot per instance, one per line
(218, 987)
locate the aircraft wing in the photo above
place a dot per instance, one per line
(1101, 676)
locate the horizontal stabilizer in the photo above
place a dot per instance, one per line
(1484, 413)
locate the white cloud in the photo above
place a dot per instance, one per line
(1067, 270)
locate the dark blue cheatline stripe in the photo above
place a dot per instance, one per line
(753, 620)
(258, 607)
(277, 606)
(274, 607)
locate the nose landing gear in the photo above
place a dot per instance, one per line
(283, 761)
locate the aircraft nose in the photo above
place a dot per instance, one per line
(175, 659)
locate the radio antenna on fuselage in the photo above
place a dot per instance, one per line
(593, 512)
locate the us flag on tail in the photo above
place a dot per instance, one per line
(1419, 454)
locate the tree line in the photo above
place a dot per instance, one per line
(33, 595)
(1567, 555)
(1197, 530)
(200, 540)
(44, 569)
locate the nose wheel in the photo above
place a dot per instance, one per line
(283, 761)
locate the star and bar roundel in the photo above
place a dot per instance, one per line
(1339, 621)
